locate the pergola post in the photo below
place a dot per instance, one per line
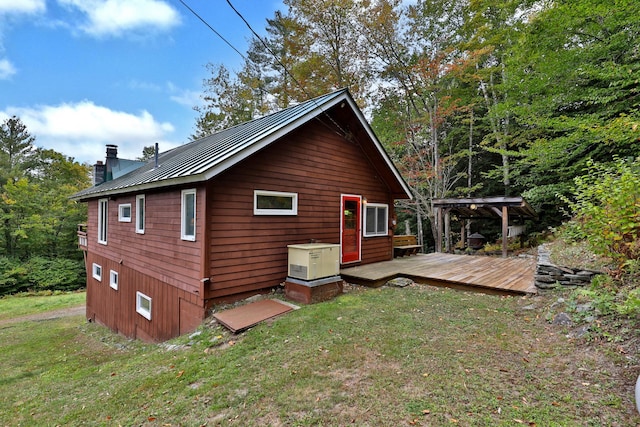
(505, 231)
(447, 231)
(439, 228)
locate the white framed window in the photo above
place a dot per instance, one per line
(143, 305)
(124, 212)
(140, 214)
(188, 217)
(113, 279)
(274, 203)
(376, 220)
(103, 220)
(96, 272)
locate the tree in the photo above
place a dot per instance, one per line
(419, 63)
(16, 150)
(230, 100)
(36, 215)
(148, 153)
(575, 69)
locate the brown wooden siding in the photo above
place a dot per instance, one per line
(249, 252)
(160, 252)
(173, 311)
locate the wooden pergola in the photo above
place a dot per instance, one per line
(503, 208)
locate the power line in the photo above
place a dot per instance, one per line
(341, 132)
(286, 70)
(212, 29)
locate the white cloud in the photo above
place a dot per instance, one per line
(187, 98)
(22, 6)
(81, 130)
(115, 17)
(6, 69)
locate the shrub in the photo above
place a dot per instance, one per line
(40, 274)
(606, 209)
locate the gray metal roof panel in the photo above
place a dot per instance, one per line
(206, 157)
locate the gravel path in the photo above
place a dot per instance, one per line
(47, 315)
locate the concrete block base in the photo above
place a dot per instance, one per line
(312, 291)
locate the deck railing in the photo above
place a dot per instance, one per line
(82, 236)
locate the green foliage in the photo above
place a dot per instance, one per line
(606, 206)
(631, 304)
(37, 218)
(40, 274)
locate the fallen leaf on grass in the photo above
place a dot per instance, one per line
(151, 419)
(555, 404)
(179, 374)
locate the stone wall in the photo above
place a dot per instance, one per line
(549, 275)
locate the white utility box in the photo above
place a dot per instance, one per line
(311, 261)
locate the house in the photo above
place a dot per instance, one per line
(210, 221)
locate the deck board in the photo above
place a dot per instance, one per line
(488, 274)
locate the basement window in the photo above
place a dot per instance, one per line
(113, 279)
(274, 203)
(143, 305)
(124, 213)
(97, 272)
(376, 221)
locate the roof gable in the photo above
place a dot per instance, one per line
(207, 157)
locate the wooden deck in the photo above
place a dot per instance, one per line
(481, 273)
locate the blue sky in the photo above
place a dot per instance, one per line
(85, 73)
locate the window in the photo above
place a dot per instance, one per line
(97, 272)
(274, 203)
(113, 279)
(188, 222)
(143, 305)
(124, 213)
(103, 215)
(376, 220)
(140, 214)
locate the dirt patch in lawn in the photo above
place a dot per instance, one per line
(47, 315)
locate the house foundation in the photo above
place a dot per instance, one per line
(313, 291)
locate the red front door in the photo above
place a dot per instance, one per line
(350, 229)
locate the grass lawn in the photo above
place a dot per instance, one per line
(16, 306)
(372, 357)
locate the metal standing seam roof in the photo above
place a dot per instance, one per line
(206, 157)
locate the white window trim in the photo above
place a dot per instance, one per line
(140, 201)
(364, 220)
(121, 212)
(113, 279)
(103, 220)
(292, 211)
(183, 215)
(96, 272)
(141, 310)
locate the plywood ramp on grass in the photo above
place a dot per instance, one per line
(482, 273)
(243, 317)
